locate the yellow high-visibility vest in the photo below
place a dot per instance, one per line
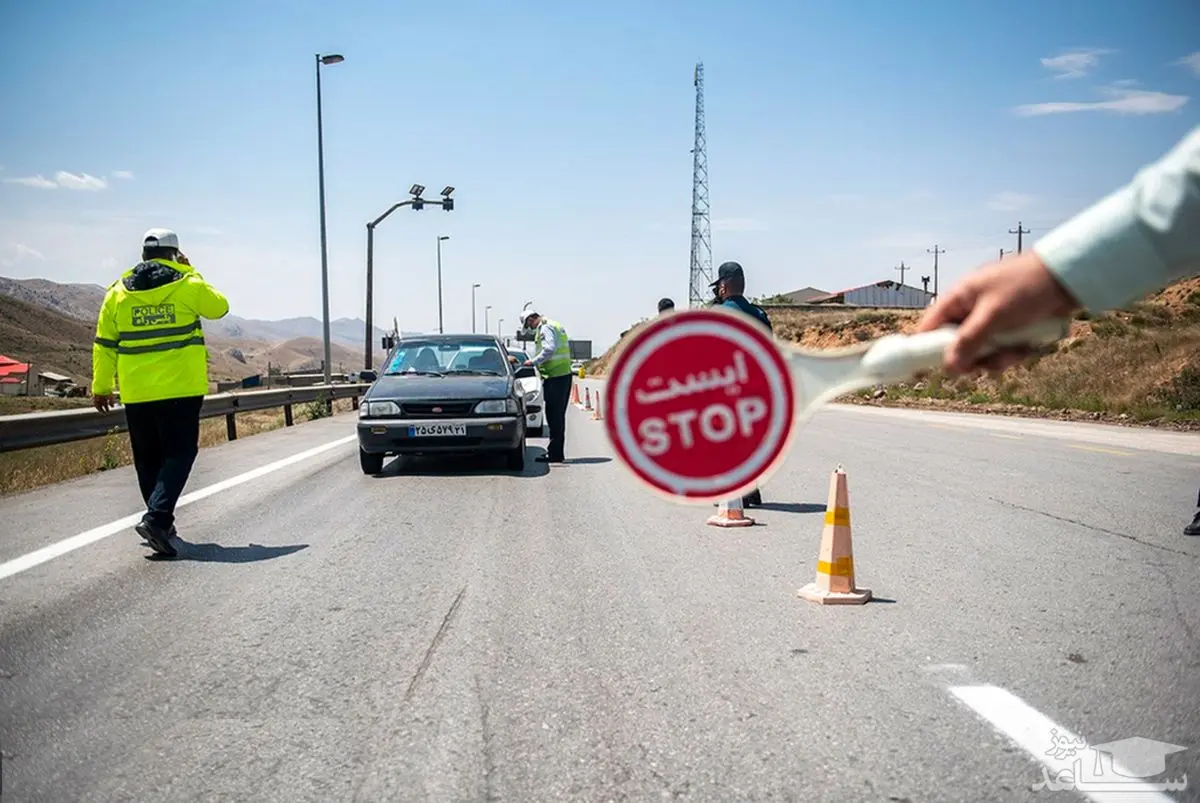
(149, 336)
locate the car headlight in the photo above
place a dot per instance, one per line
(378, 409)
(533, 396)
(496, 407)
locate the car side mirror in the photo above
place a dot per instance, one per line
(368, 376)
(388, 343)
(526, 371)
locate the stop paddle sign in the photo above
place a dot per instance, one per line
(701, 404)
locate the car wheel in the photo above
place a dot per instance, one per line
(535, 432)
(371, 463)
(515, 460)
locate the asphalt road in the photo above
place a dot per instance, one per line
(455, 632)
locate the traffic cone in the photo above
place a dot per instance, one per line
(596, 414)
(575, 394)
(587, 398)
(835, 565)
(730, 514)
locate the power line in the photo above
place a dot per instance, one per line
(935, 251)
(1019, 232)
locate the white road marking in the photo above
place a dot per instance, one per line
(40, 556)
(1033, 732)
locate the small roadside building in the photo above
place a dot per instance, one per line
(887, 293)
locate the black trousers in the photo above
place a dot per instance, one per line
(557, 392)
(165, 437)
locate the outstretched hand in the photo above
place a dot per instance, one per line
(103, 403)
(996, 298)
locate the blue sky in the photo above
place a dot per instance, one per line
(844, 137)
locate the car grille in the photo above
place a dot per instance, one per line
(456, 409)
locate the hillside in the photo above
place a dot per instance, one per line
(82, 302)
(1140, 364)
(63, 344)
(50, 340)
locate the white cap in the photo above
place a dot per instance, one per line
(526, 311)
(160, 238)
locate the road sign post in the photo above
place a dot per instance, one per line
(701, 405)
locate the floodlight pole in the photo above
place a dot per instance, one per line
(369, 345)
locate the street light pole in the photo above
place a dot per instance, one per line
(320, 60)
(485, 317)
(441, 328)
(417, 203)
(500, 330)
(474, 287)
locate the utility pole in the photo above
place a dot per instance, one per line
(1002, 253)
(902, 268)
(935, 251)
(925, 283)
(474, 287)
(1019, 231)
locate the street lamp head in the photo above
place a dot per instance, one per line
(446, 191)
(476, 285)
(332, 58)
(444, 237)
(416, 190)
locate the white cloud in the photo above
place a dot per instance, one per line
(122, 174)
(38, 181)
(83, 181)
(1121, 100)
(738, 224)
(1192, 62)
(1009, 202)
(23, 253)
(62, 178)
(1074, 64)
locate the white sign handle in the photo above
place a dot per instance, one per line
(895, 358)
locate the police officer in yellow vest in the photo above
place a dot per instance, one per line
(149, 336)
(553, 361)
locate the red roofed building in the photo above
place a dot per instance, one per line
(13, 376)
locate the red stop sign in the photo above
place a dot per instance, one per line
(701, 404)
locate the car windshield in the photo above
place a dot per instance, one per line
(442, 357)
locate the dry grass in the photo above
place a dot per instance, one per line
(33, 468)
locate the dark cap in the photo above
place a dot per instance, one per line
(728, 270)
(665, 303)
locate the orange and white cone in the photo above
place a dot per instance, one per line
(596, 414)
(575, 394)
(835, 565)
(587, 398)
(731, 514)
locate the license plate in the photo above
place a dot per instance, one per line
(437, 431)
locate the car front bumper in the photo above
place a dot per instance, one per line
(397, 435)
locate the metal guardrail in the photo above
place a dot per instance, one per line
(30, 430)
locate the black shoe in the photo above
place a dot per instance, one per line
(1194, 527)
(752, 498)
(158, 540)
(545, 458)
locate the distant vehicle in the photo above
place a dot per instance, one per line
(576, 365)
(445, 394)
(532, 385)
